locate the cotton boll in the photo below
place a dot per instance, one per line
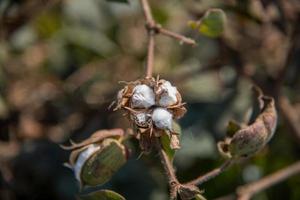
(82, 158)
(142, 119)
(162, 118)
(143, 97)
(168, 96)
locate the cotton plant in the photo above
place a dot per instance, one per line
(153, 105)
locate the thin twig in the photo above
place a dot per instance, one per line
(151, 34)
(177, 36)
(210, 175)
(147, 12)
(247, 191)
(150, 56)
(96, 137)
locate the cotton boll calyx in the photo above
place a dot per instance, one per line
(143, 97)
(82, 158)
(168, 94)
(162, 118)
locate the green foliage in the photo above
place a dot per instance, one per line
(102, 195)
(119, 1)
(212, 24)
(165, 141)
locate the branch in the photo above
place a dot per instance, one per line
(153, 28)
(210, 175)
(150, 56)
(147, 12)
(181, 38)
(151, 33)
(247, 191)
(168, 166)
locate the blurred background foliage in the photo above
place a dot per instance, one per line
(60, 63)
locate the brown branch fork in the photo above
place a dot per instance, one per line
(153, 29)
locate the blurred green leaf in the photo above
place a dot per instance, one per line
(119, 1)
(232, 128)
(199, 197)
(212, 24)
(176, 128)
(102, 195)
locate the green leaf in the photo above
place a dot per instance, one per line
(118, 1)
(102, 195)
(169, 142)
(212, 24)
(165, 141)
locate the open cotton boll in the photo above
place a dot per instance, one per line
(168, 96)
(82, 158)
(143, 97)
(162, 118)
(142, 119)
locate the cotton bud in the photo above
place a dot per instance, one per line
(162, 118)
(168, 94)
(143, 97)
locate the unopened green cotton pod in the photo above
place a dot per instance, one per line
(98, 162)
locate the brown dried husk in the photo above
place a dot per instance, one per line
(250, 139)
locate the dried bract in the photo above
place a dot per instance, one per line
(252, 138)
